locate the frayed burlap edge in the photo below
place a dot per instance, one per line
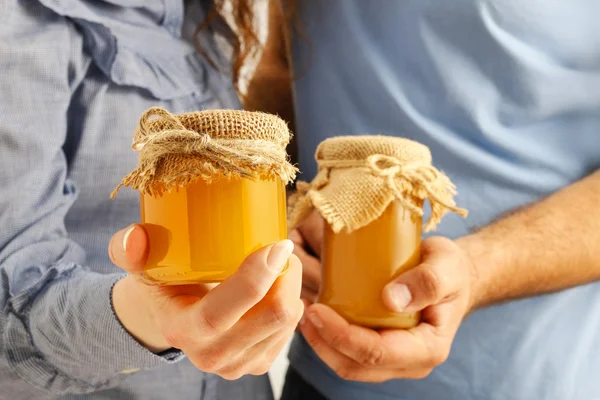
(387, 180)
(176, 150)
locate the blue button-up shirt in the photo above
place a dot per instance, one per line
(75, 75)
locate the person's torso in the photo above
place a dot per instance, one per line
(506, 94)
(128, 56)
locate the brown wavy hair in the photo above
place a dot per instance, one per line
(245, 43)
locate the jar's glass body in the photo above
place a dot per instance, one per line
(357, 266)
(201, 233)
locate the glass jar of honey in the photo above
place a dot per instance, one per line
(371, 190)
(212, 187)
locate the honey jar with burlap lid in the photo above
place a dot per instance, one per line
(371, 190)
(212, 186)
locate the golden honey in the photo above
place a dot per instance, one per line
(356, 266)
(371, 190)
(202, 232)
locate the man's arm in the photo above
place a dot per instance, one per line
(546, 247)
(549, 246)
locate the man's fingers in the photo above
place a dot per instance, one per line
(223, 306)
(309, 295)
(362, 345)
(445, 317)
(344, 366)
(418, 348)
(332, 357)
(312, 232)
(311, 266)
(128, 248)
(311, 271)
(438, 278)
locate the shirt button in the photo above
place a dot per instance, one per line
(130, 371)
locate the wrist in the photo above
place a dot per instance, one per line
(477, 254)
(136, 316)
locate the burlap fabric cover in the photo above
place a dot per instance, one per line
(359, 176)
(176, 150)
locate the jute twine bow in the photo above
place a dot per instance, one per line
(172, 154)
(422, 180)
(409, 184)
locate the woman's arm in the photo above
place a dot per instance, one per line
(65, 329)
(58, 330)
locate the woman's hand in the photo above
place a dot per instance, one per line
(237, 328)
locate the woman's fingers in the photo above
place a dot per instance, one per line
(250, 310)
(258, 359)
(227, 303)
(128, 248)
(280, 310)
(241, 349)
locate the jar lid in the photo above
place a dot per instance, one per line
(344, 148)
(359, 176)
(176, 150)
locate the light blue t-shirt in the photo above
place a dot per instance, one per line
(506, 94)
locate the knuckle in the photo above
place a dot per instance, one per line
(231, 375)
(281, 313)
(313, 341)
(438, 357)
(208, 362)
(174, 337)
(297, 311)
(295, 236)
(420, 374)
(371, 356)
(431, 283)
(346, 372)
(339, 340)
(272, 355)
(202, 364)
(208, 324)
(255, 291)
(441, 243)
(262, 368)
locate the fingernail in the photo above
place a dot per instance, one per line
(315, 320)
(280, 254)
(400, 296)
(126, 236)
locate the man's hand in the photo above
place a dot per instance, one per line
(551, 245)
(440, 286)
(308, 241)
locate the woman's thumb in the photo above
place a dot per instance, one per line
(128, 248)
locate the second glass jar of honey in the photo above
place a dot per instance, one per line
(371, 190)
(212, 187)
